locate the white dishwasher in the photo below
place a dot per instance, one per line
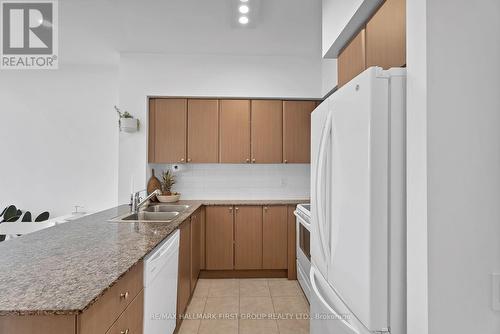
(160, 286)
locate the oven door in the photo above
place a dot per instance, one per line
(303, 254)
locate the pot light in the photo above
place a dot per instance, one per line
(243, 20)
(243, 9)
(244, 0)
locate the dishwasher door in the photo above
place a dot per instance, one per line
(160, 287)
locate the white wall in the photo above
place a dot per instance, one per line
(59, 138)
(463, 135)
(143, 75)
(241, 181)
(416, 40)
(456, 235)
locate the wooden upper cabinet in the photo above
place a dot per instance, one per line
(267, 131)
(219, 238)
(386, 36)
(203, 131)
(297, 131)
(275, 237)
(195, 248)
(169, 118)
(234, 131)
(352, 60)
(247, 237)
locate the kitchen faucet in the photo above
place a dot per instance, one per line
(137, 202)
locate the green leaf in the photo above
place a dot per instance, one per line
(42, 217)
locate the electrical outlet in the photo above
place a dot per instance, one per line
(495, 285)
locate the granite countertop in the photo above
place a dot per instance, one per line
(66, 268)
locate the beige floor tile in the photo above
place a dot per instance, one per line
(293, 326)
(265, 326)
(224, 288)
(189, 327)
(284, 288)
(256, 305)
(254, 288)
(293, 305)
(196, 307)
(218, 327)
(221, 307)
(202, 288)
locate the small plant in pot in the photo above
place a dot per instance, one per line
(126, 121)
(167, 181)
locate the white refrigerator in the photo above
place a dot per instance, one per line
(358, 203)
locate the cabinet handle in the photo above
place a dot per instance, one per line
(182, 160)
(286, 161)
(265, 208)
(124, 295)
(189, 160)
(124, 332)
(230, 209)
(253, 160)
(236, 208)
(248, 160)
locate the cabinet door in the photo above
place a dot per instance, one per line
(386, 36)
(267, 131)
(195, 248)
(297, 131)
(219, 238)
(184, 282)
(352, 60)
(130, 321)
(248, 237)
(170, 130)
(234, 146)
(203, 131)
(292, 243)
(274, 237)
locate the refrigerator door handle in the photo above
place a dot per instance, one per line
(326, 305)
(319, 177)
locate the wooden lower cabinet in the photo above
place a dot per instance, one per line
(275, 237)
(219, 246)
(247, 237)
(292, 242)
(100, 316)
(184, 280)
(130, 321)
(195, 248)
(40, 324)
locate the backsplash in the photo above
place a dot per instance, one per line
(232, 181)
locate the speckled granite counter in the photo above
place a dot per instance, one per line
(65, 268)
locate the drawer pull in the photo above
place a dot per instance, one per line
(124, 296)
(124, 332)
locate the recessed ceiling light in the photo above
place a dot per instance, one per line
(243, 9)
(243, 20)
(244, 0)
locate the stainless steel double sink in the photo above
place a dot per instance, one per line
(154, 213)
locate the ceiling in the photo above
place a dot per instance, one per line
(96, 31)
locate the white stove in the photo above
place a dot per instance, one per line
(303, 214)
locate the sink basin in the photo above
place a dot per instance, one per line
(148, 216)
(167, 208)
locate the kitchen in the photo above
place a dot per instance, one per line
(235, 110)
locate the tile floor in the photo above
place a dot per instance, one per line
(247, 306)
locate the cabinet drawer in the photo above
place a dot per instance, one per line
(131, 321)
(101, 315)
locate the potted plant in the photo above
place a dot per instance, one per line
(126, 121)
(167, 181)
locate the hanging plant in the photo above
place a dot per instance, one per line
(126, 121)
